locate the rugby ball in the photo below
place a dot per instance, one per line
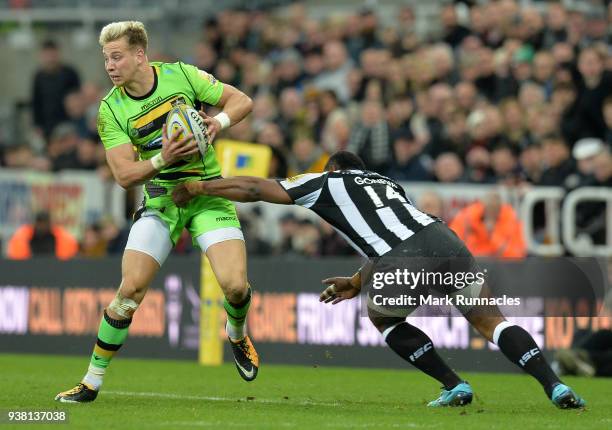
(187, 120)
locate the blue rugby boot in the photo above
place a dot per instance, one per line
(564, 397)
(460, 395)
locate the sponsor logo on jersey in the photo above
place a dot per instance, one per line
(296, 177)
(154, 144)
(151, 103)
(207, 76)
(100, 124)
(154, 119)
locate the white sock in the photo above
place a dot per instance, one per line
(94, 376)
(235, 333)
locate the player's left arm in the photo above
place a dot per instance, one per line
(238, 189)
(235, 106)
(234, 103)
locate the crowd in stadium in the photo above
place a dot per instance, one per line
(503, 94)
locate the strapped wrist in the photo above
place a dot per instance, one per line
(223, 119)
(158, 161)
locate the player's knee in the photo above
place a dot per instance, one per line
(485, 324)
(133, 288)
(382, 322)
(234, 288)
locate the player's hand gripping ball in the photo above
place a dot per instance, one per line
(187, 120)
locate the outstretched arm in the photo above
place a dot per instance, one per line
(343, 288)
(238, 189)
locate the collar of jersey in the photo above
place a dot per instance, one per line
(147, 95)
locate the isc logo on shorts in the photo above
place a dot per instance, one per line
(422, 350)
(528, 355)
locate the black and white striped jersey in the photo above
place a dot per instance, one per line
(369, 210)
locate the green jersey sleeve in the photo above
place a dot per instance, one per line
(109, 130)
(207, 88)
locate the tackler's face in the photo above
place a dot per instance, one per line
(122, 61)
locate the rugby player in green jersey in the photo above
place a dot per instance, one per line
(131, 126)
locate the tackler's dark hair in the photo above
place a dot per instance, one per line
(345, 160)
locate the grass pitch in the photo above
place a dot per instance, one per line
(149, 394)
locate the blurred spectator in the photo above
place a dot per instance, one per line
(531, 163)
(306, 157)
(22, 157)
(63, 147)
(439, 98)
(271, 135)
(585, 152)
(448, 168)
(52, 82)
(543, 70)
(289, 226)
(430, 202)
(515, 126)
(288, 71)
(409, 164)
(370, 137)
(563, 104)
(505, 165)
(607, 114)
(454, 33)
(595, 167)
(466, 95)
(114, 236)
(332, 244)
(42, 238)
(558, 163)
(307, 239)
(478, 166)
(278, 164)
(593, 88)
(292, 119)
(93, 244)
(205, 57)
(556, 22)
(490, 229)
(335, 128)
(243, 131)
(75, 106)
(337, 66)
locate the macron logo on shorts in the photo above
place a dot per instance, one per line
(225, 218)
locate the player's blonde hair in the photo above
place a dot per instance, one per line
(134, 30)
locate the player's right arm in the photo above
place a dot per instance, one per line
(123, 160)
(343, 287)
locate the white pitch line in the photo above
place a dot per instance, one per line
(219, 399)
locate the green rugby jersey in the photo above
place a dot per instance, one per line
(123, 118)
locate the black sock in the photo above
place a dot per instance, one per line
(416, 347)
(521, 349)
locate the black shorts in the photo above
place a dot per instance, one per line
(439, 262)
